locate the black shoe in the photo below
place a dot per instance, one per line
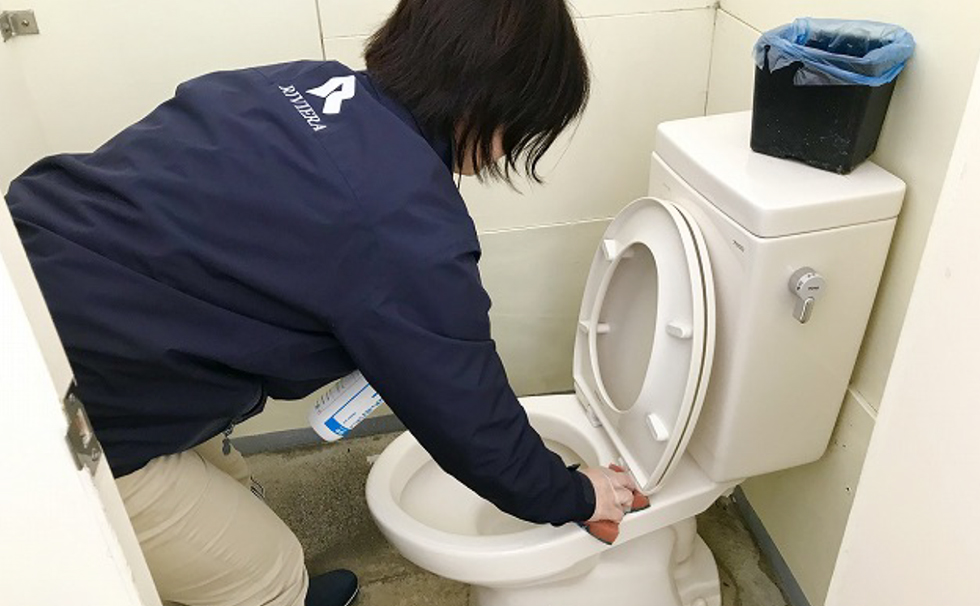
(334, 588)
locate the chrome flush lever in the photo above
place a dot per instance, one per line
(808, 286)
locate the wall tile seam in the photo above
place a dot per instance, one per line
(722, 9)
(868, 408)
(711, 60)
(557, 224)
(319, 29)
(591, 17)
(344, 38)
(645, 13)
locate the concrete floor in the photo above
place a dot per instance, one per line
(319, 492)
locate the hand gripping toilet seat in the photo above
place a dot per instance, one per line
(646, 336)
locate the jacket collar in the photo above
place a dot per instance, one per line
(442, 145)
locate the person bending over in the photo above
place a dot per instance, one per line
(267, 231)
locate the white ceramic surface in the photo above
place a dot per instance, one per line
(443, 527)
(767, 196)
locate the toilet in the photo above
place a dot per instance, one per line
(719, 326)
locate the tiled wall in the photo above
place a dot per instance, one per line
(650, 63)
(99, 66)
(805, 509)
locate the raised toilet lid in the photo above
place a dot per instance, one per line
(646, 336)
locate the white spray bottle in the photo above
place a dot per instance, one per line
(348, 402)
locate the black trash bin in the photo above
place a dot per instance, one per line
(822, 89)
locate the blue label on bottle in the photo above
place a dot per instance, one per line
(336, 427)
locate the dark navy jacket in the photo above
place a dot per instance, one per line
(258, 236)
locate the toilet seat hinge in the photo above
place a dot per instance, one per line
(583, 398)
(593, 418)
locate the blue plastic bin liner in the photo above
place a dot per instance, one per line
(835, 52)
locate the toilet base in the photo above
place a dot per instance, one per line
(670, 567)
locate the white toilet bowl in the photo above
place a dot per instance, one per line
(642, 353)
(693, 368)
(442, 526)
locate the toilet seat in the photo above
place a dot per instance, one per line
(645, 343)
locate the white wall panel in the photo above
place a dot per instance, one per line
(732, 67)
(603, 8)
(99, 66)
(535, 278)
(349, 50)
(646, 69)
(362, 17)
(912, 538)
(353, 17)
(23, 140)
(767, 14)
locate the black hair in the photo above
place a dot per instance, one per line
(468, 68)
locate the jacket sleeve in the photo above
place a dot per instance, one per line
(421, 336)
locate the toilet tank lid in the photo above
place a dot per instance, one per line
(768, 196)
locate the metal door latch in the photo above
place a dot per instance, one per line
(81, 438)
(17, 23)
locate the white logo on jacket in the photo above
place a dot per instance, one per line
(303, 107)
(334, 92)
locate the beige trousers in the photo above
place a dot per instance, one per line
(208, 540)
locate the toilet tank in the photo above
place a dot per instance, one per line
(777, 384)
